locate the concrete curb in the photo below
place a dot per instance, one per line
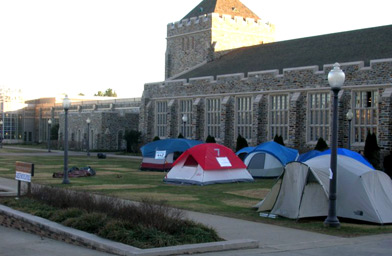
(105, 245)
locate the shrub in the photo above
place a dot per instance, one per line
(62, 215)
(279, 139)
(144, 225)
(241, 143)
(388, 164)
(371, 150)
(180, 136)
(89, 222)
(321, 145)
(210, 139)
(133, 139)
(156, 138)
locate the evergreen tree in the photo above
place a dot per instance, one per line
(133, 138)
(279, 139)
(321, 145)
(371, 150)
(210, 139)
(54, 132)
(241, 143)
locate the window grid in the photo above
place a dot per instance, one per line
(186, 109)
(319, 116)
(279, 116)
(365, 114)
(213, 113)
(244, 117)
(161, 118)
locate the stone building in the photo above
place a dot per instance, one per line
(270, 89)
(110, 118)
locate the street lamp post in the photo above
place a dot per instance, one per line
(88, 136)
(2, 133)
(184, 120)
(66, 106)
(335, 79)
(349, 116)
(49, 127)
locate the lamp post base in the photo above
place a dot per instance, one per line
(332, 222)
(66, 182)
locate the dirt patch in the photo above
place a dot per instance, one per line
(155, 196)
(54, 167)
(120, 186)
(114, 168)
(258, 193)
(241, 202)
(151, 173)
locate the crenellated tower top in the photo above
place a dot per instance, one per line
(210, 30)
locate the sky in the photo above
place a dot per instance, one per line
(53, 47)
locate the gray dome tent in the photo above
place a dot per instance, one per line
(302, 191)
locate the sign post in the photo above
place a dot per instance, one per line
(23, 172)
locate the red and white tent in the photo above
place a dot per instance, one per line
(208, 163)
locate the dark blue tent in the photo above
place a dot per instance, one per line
(160, 154)
(243, 152)
(308, 155)
(349, 153)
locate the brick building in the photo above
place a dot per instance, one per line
(259, 90)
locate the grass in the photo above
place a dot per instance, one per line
(121, 178)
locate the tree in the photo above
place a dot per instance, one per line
(54, 132)
(241, 143)
(180, 136)
(388, 164)
(133, 139)
(81, 94)
(156, 138)
(108, 93)
(321, 145)
(279, 139)
(372, 150)
(210, 139)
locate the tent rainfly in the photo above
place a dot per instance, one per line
(302, 191)
(208, 163)
(159, 155)
(242, 153)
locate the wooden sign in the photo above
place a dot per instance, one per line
(24, 171)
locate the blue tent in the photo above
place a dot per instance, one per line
(282, 153)
(349, 153)
(160, 154)
(308, 155)
(268, 159)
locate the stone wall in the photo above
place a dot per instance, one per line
(294, 82)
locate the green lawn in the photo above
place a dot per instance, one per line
(121, 178)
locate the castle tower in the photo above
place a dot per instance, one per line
(210, 30)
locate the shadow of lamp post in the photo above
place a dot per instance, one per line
(66, 106)
(88, 121)
(336, 79)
